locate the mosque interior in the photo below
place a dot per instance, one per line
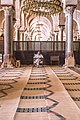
(51, 90)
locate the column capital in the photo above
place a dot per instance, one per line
(70, 9)
(8, 10)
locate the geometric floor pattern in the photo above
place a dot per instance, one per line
(12, 82)
(76, 69)
(30, 93)
(39, 82)
(38, 98)
(70, 82)
(7, 79)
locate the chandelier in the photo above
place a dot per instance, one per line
(38, 7)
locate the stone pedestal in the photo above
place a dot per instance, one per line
(7, 61)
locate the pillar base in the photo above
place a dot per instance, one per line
(69, 61)
(7, 65)
(7, 61)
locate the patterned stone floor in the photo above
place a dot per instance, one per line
(76, 69)
(31, 93)
(45, 98)
(12, 82)
(71, 82)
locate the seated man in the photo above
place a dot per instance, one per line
(41, 59)
(38, 59)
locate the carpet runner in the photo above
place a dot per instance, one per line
(70, 81)
(45, 98)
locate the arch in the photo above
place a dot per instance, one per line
(1, 10)
(76, 21)
(75, 29)
(1, 21)
(44, 26)
(43, 19)
(76, 18)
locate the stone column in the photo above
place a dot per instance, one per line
(21, 36)
(61, 29)
(17, 34)
(69, 55)
(61, 32)
(22, 39)
(56, 35)
(12, 14)
(17, 38)
(53, 37)
(56, 39)
(8, 37)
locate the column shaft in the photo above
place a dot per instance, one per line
(69, 57)
(70, 34)
(6, 32)
(12, 33)
(56, 35)
(8, 37)
(56, 39)
(61, 32)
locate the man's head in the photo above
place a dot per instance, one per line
(38, 52)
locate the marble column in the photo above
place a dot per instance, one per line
(21, 36)
(8, 37)
(17, 46)
(56, 39)
(61, 31)
(22, 39)
(53, 37)
(69, 55)
(12, 25)
(56, 35)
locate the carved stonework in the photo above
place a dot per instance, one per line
(70, 2)
(70, 9)
(8, 10)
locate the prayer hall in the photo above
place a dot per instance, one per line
(39, 59)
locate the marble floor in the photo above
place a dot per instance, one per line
(44, 93)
